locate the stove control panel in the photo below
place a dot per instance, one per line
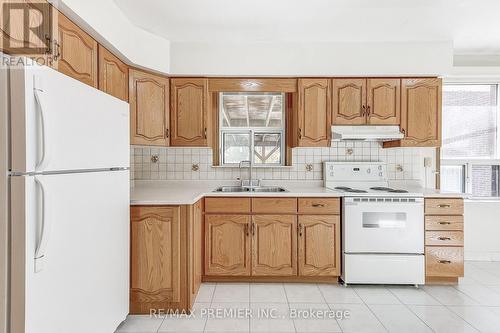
(354, 171)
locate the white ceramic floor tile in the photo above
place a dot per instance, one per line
(376, 295)
(194, 322)
(483, 277)
(310, 317)
(140, 324)
(271, 317)
(267, 292)
(484, 295)
(360, 319)
(441, 320)
(229, 317)
(339, 294)
(303, 293)
(398, 318)
(205, 293)
(231, 292)
(495, 310)
(412, 295)
(447, 295)
(481, 318)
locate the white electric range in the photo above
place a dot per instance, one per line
(382, 227)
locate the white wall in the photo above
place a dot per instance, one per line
(311, 59)
(111, 28)
(482, 230)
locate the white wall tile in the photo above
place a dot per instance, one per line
(176, 163)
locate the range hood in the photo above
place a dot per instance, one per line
(366, 133)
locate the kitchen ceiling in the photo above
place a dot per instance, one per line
(472, 25)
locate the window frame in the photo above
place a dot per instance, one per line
(468, 163)
(252, 130)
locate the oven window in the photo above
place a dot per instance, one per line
(382, 220)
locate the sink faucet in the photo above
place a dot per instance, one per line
(250, 169)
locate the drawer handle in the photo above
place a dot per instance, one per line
(444, 238)
(318, 205)
(444, 262)
(444, 206)
(444, 223)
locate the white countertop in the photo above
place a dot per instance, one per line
(187, 192)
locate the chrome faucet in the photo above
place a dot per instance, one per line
(250, 170)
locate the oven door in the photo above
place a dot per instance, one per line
(383, 225)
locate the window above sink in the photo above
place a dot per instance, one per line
(252, 127)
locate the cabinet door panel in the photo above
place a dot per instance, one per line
(78, 52)
(384, 101)
(189, 112)
(113, 75)
(313, 118)
(319, 245)
(349, 101)
(421, 112)
(274, 245)
(155, 257)
(149, 112)
(227, 245)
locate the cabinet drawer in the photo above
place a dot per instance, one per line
(438, 222)
(444, 238)
(274, 205)
(444, 206)
(444, 261)
(319, 206)
(227, 205)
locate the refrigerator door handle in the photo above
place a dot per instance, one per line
(45, 228)
(43, 120)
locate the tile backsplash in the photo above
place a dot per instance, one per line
(162, 163)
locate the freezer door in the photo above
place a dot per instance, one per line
(70, 252)
(59, 123)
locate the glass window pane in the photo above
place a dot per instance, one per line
(267, 148)
(236, 147)
(469, 121)
(453, 178)
(252, 110)
(485, 180)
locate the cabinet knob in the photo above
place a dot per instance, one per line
(444, 238)
(316, 205)
(444, 223)
(300, 133)
(205, 132)
(246, 230)
(167, 132)
(368, 110)
(363, 110)
(444, 206)
(444, 262)
(300, 229)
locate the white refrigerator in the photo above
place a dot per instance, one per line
(67, 152)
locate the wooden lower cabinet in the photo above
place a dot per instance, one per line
(319, 244)
(227, 245)
(165, 252)
(444, 240)
(274, 245)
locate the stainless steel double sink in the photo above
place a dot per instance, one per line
(250, 189)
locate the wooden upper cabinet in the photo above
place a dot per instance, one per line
(227, 245)
(349, 101)
(149, 109)
(113, 74)
(189, 98)
(383, 101)
(274, 245)
(155, 257)
(77, 52)
(421, 112)
(312, 123)
(319, 245)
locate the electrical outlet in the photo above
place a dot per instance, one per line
(427, 162)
